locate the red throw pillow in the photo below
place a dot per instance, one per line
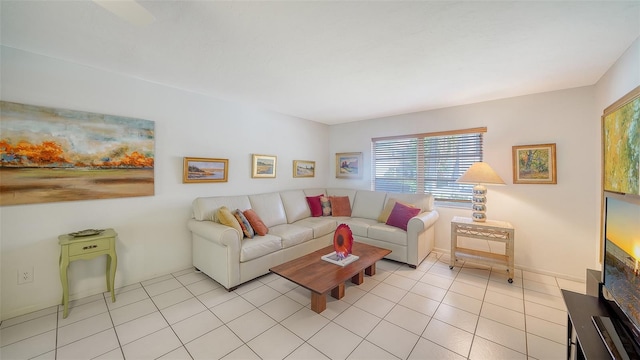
(256, 223)
(401, 214)
(340, 205)
(315, 205)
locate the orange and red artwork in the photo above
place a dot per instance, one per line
(50, 155)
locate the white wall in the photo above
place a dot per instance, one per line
(553, 222)
(153, 238)
(619, 80)
(557, 226)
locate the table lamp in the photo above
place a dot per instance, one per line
(480, 173)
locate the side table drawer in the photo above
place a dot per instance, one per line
(88, 247)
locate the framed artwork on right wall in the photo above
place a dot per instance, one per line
(621, 145)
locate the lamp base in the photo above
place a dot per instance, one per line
(478, 203)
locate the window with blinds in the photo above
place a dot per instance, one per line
(427, 163)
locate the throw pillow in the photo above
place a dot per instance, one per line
(401, 214)
(244, 224)
(384, 215)
(326, 206)
(314, 205)
(340, 205)
(225, 217)
(256, 223)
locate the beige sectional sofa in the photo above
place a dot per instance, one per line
(223, 253)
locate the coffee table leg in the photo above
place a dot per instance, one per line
(358, 278)
(318, 302)
(338, 291)
(371, 270)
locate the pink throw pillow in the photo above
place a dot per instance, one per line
(315, 205)
(401, 214)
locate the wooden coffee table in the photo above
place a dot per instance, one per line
(319, 276)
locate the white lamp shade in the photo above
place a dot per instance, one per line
(480, 173)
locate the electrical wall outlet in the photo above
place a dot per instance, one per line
(25, 275)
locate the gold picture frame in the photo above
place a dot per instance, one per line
(201, 170)
(304, 168)
(534, 164)
(263, 166)
(349, 165)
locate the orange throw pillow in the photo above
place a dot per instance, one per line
(340, 206)
(256, 223)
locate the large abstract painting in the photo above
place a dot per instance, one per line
(51, 155)
(621, 145)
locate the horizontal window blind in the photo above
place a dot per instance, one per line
(427, 163)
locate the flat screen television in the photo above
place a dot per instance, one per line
(621, 276)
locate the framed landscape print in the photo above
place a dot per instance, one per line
(534, 164)
(199, 170)
(621, 145)
(349, 165)
(304, 168)
(263, 166)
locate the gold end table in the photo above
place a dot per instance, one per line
(491, 230)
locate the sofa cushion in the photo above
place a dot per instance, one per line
(423, 201)
(314, 205)
(340, 206)
(269, 207)
(225, 217)
(320, 225)
(259, 246)
(291, 234)
(387, 233)
(256, 223)
(326, 206)
(368, 204)
(205, 208)
(384, 215)
(244, 224)
(401, 214)
(314, 192)
(295, 205)
(351, 193)
(359, 226)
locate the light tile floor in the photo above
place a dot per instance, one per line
(432, 312)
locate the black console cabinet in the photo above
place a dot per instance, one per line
(581, 331)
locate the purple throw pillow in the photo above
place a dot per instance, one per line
(401, 214)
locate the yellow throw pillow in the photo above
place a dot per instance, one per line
(384, 215)
(227, 218)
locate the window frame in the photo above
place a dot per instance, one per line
(458, 194)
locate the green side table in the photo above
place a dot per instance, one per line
(86, 248)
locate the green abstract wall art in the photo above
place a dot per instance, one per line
(621, 145)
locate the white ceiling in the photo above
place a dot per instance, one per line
(338, 61)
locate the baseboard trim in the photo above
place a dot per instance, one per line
(526, 268)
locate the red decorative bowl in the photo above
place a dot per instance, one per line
(343, 241)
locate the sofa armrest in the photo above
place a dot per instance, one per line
(422, 222)
(420, 236)
(221, 234)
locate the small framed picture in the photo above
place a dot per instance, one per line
(349, 165)
(534, 164)
(304, 168)
(263, 166)
(198, 170)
